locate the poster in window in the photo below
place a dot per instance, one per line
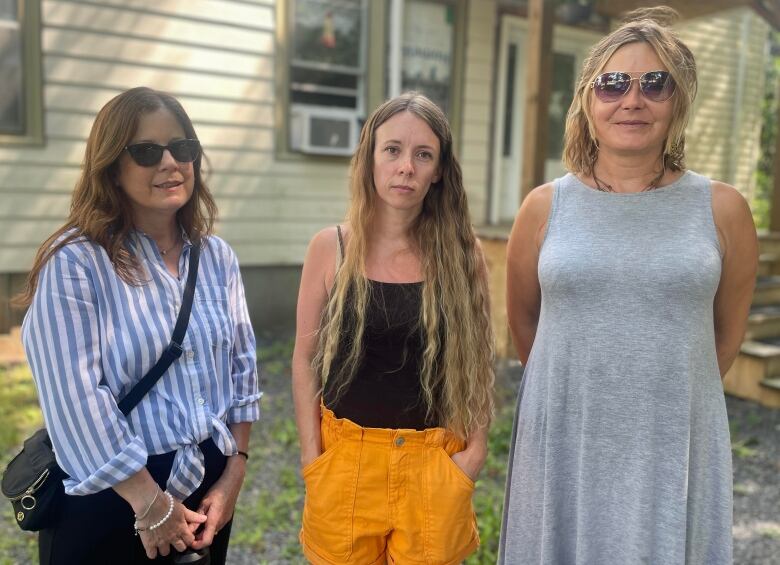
(328, 32)
(427, 50)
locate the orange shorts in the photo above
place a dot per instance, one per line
(379, 496)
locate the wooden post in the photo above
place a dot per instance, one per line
(538, 85)
(774, 210)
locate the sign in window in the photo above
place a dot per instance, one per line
(427, 48)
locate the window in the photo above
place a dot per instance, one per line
(327, 75)
(427, 48)
(20, 99)
(563, 82)
(334, 67)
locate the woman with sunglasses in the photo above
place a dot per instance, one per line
(629, 284)
(104, 293)
(392, 369)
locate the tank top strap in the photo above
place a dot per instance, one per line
(340, 248)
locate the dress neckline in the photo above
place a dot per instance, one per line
(601, 194)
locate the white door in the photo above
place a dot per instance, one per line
(570, 45)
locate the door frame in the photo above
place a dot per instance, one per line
(568, 39)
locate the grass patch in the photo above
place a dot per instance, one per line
(274, 358)
(19, 415)
(489, 494)
(744, 448)
(741, 489)
(268, 512)
(772, 532)
(754, 418)
(19, 411)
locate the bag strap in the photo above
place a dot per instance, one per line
(174, 349)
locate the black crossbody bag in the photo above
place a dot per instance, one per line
(33, 479)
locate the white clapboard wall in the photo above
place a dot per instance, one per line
(723, 139)
(217, 57)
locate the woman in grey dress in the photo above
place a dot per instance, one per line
(629, 284)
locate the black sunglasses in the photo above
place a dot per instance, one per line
(147, 154)
(654, 85)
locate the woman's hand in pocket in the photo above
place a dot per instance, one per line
(308, 456)
(470, 463)
(472, 459)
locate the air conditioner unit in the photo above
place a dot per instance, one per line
(321, 130)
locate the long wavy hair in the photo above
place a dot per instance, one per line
(647, 25)
(100, 211)
(457, 354)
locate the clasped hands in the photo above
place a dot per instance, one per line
(186, 528)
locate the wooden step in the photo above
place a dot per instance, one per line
(763, 322)
(767, 291)
(771, 383)
(769, 242)
(768, 264)
(757, 363)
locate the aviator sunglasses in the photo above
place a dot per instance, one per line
(656, 86)
(147, 154)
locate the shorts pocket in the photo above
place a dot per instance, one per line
(331, 481)
(320, 460)
(450, 525)
(457, 470)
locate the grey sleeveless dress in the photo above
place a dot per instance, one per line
(621, 452)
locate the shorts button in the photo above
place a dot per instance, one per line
(399, 442)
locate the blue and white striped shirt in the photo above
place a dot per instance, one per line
(90, 337)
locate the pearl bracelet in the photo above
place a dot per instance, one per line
(162, 521)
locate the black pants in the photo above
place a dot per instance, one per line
(98, 529)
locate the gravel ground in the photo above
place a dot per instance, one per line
(755, 432)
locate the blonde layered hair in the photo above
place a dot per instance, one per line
(457, 359)
(100, 210)
(647, 25)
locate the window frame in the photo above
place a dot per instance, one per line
(456, 71)
(375, 59)
(32, 90)
(283, 104)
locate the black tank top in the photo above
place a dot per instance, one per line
(385, 391)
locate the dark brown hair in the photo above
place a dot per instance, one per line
(100, 210)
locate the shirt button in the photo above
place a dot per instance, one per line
(201, 401)
(399, 442)
(190, 355)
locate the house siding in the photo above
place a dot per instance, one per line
(475, 145)
(723, 137)
(217, 57)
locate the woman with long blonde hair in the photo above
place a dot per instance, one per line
(392, 369)
(629, 282)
